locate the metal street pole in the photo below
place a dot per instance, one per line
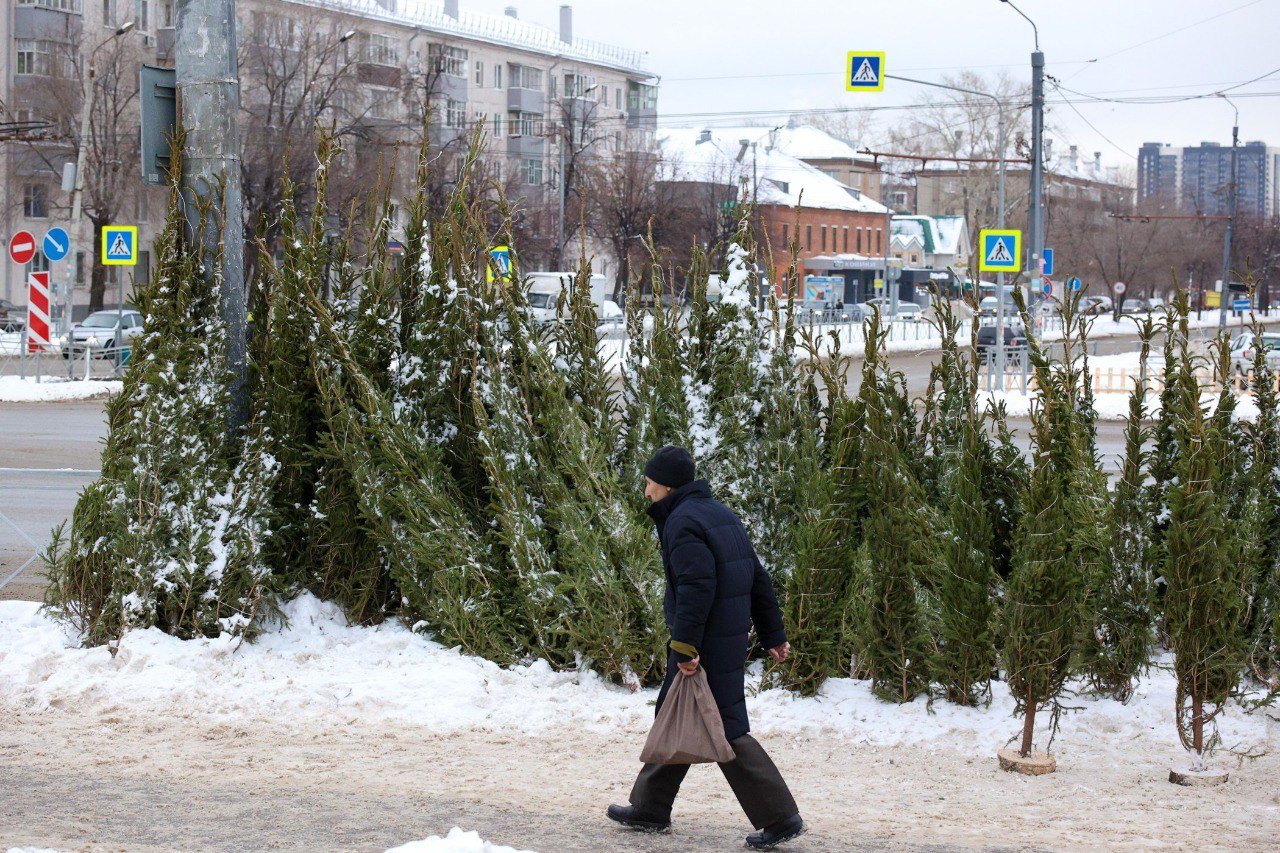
(1035, 218)
(77, 191)
(1231, 217)
(209, 96)
(566, 138)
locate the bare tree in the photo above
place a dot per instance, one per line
(111, 177)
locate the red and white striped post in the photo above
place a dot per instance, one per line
(37, 311)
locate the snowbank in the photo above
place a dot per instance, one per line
(14, 389)
(456, 841)
(318, 667)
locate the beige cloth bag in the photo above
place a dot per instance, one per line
(688, 728)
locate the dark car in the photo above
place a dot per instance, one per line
(1013, 337)
(12, 318)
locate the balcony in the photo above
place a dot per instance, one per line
(374, 74)
(47, 22)
(449, 86)
(527, 101)
(526, 146)
(442, 136)
(642, 118)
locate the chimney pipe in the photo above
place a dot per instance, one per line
(451, 8)
(1097, 159)
(704, 136)
(1075, 156)
(511, 12)
(566, 24)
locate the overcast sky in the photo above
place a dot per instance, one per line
(789, 54)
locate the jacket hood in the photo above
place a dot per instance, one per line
(661, 510)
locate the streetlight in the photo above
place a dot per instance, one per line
(77, 192)
(1001, 130)
(563, 130)
(1231, 216)
(1035, 223)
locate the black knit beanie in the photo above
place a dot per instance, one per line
(671, 466)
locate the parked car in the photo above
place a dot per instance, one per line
(906, 310)
(1014, 336)
(612, 322)
(1243, 349)
(97, 334)
(1095, 305)
(1155, 304)
(12, 318)
(1133, 306)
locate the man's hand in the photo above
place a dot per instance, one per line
(690, 667)
(779, 653)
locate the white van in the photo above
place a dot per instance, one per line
(545, 289)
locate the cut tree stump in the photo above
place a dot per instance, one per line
(1035, 764)
(1197, 778)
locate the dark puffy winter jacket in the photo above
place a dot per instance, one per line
(716, 588)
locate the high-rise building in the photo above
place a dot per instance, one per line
(374, 71)
(1198, 178)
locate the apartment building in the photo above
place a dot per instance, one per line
(1198, 177)
(371, 69)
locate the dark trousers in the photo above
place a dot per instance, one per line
(753, 776)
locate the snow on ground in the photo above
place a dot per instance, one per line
(1113, 377)
(318, 667)
(14, 389)
(456, 841)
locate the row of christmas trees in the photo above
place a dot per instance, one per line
(419, 450)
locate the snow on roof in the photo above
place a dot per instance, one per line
(711, 155)
(809, 143)
(920, 227)
(495, 29)
(951, 231)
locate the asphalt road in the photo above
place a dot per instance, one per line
(48, 453)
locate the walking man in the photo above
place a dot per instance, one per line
(716, 588)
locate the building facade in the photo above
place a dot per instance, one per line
(1198, 178)
(375, 72)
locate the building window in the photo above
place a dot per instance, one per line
(859, 238)
(525, 77)
(380, 50)
(880, 240)
(59, 5)
(524, 124)
(617, 98)
(35, 57)
(846, 240)
(108, 13)
(479, 75)
(497, 76)
(448, 60)
(383, 103)
(533, 171)
(824, 238)
(808, 238)
(497, 125)
(455, 113)
(165, 11)
(35, 201)
(79, 267)
(144, 16)
(786, 237)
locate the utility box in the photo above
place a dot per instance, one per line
(158, 93)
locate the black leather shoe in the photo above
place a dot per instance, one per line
(774, 834)
(632, 817)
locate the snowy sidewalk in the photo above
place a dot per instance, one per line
(324, 712)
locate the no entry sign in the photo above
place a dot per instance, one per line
(22, 248)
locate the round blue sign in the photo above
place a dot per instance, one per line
(56, 244)
(1076, 283)
(1048, 288)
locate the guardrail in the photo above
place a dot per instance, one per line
(52, 363)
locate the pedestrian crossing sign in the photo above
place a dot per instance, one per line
(120, 245)
(864, 72)
(1001, 251)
